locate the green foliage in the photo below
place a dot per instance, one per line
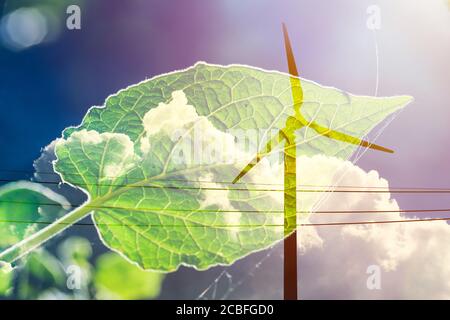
(38, 273)
(6, 278)
(134, 159)
(125, 156)
(24, 209)
(22, 214)
(116, 278)
(43, 276)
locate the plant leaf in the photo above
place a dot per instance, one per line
(116, 278)
(6, 280)
(158, 159)
(24, 208)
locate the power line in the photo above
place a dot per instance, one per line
(148, 209)
(329, 190)
(382, 189)
(231, 225)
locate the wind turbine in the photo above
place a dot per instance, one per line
(287, 135)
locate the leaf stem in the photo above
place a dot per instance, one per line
(27, 245)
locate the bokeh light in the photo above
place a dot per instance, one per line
(23, 28)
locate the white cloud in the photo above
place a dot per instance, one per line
(333, 260)
(171, 116)
(168, 118)
(116, 163)
(413, 257)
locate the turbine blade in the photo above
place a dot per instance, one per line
(296, 87)
(292, 66)
(267, 149)
(332, 134)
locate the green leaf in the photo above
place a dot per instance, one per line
(157, 161)
(46, 267)
(130, 159)
(40, 271)
(116, 278)
(25, 207)
(6, 280)
(75, 250)
(45, 276)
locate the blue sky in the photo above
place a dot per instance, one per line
(47, 87)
